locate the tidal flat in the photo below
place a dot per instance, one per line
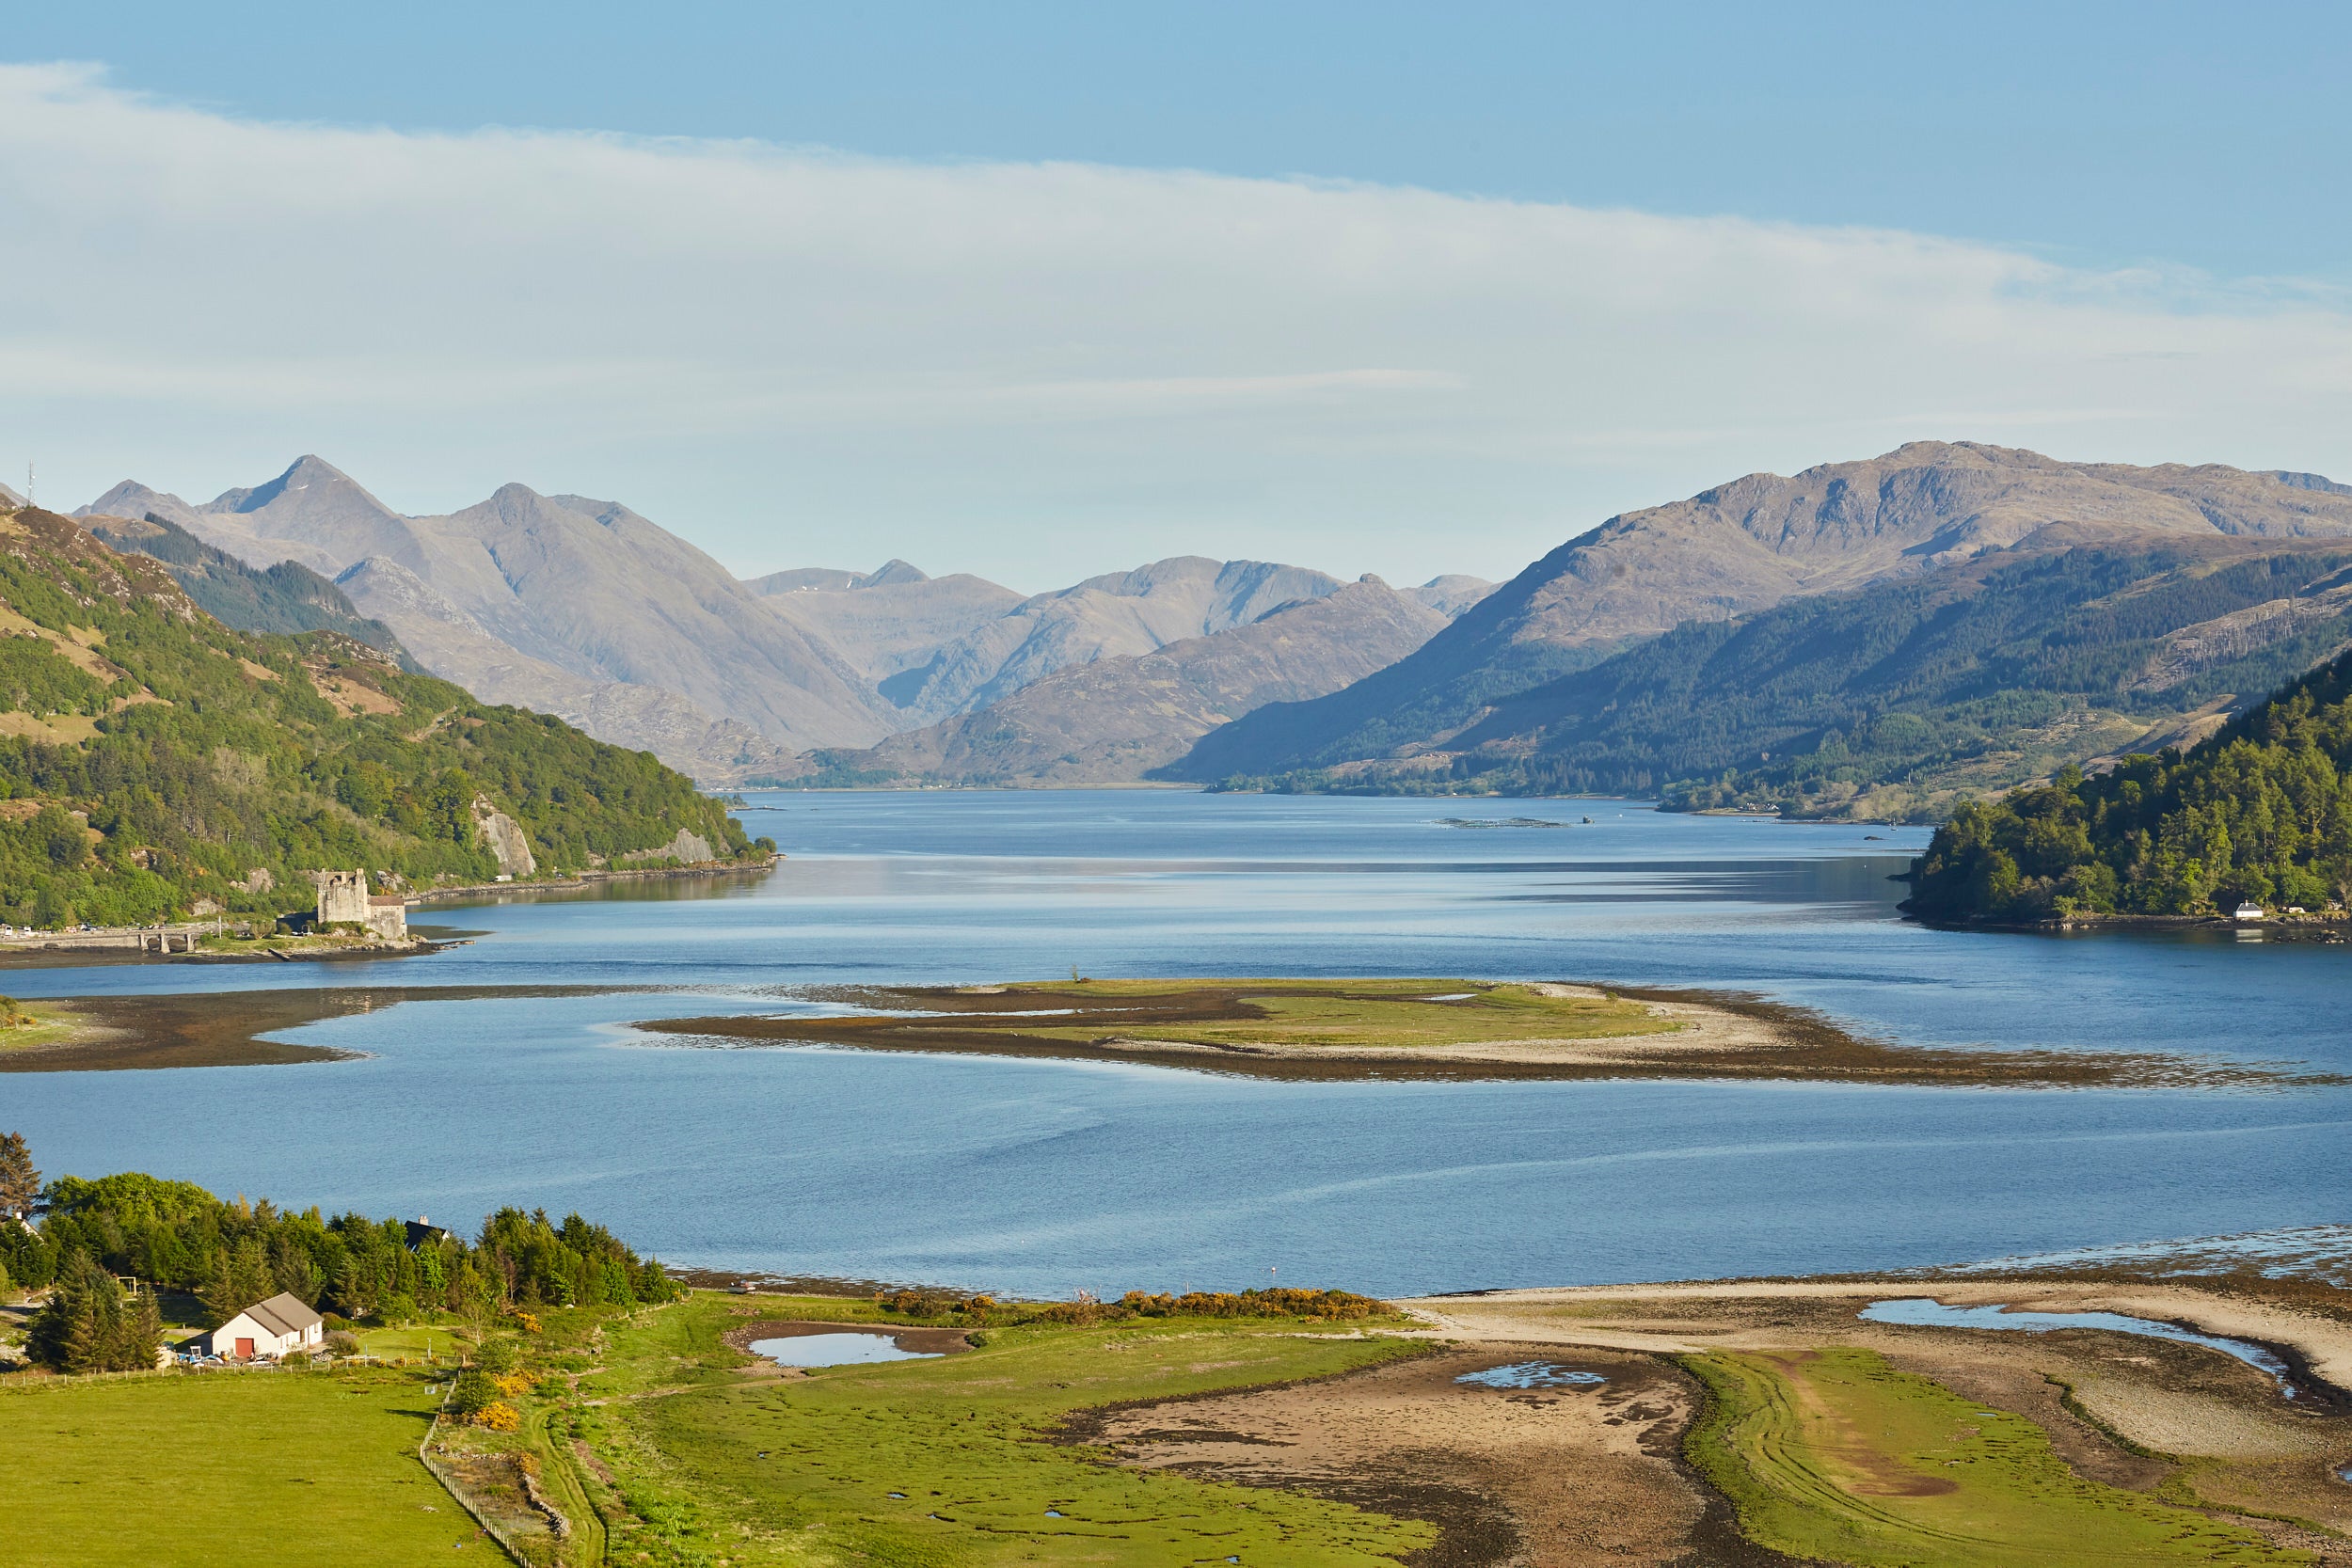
(1431, 1028)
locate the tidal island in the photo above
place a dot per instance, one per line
(1424, 1028)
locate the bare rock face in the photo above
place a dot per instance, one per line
(639, 716)
(691, 849)
(504, 837)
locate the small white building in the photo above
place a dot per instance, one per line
(277, 1326)
(2247, 911)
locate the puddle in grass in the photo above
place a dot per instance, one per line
(1921, 1313)
(1533, 1375)
(835, 1350)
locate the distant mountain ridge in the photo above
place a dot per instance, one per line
(1740, 549)
(583, 608)
(586, 586)
(1113, 720)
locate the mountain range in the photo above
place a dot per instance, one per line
(1521, 691)
(1879, 637)
(583, 608)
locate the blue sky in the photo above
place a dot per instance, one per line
(2177, 174)
(2204, 136)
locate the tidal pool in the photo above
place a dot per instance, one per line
(1533, 1375)
(1921, 1312)
(835, 1350)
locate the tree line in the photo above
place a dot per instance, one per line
(176, 1236)
(2261, 813)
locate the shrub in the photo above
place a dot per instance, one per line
(512, 1384)
(499, 1416)
(343, 1343)
(497, 1356)
(473, 1394)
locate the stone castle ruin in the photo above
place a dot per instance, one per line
(344, 899)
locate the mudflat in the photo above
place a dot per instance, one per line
(1430, 1028)
(1843, 1439)
(104, 1034)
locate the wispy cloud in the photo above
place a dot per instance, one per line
(798, 355)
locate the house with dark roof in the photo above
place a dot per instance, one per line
(423, 1233)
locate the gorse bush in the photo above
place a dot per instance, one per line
(2262, 811)
(1280, 1303)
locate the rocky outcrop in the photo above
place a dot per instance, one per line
(504, 838)
(687, 849)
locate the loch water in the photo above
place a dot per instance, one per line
(1047, 1177)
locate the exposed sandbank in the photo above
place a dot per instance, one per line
(1436, 1028)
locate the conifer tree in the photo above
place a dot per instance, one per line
(20, 1184)
(88, 1326)
(241, 1277)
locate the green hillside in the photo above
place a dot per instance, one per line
(288, 598)
(1903, 698)
(2261, 813)
(152, 757)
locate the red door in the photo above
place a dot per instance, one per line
(244, 1350)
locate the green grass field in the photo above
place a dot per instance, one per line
(1833, 1454)
(255, 1469)
(803, 1470)
(414, 1344)
(1343, 1013)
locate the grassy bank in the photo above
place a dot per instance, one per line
(256, 1469)
(1831, 1454)
(706, 1462)
(658, 1444)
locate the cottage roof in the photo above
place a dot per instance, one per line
(283, 1314)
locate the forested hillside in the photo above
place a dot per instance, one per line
(1901, 699)
(152, 761)
(2260, 813)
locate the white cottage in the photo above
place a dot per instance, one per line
(277, 1326)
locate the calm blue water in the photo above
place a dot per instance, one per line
(1045, 1176)
(838, 1350)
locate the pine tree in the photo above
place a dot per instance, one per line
(241, 1277)
(142, 1334)
(89, 1327)
(20, 1184)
